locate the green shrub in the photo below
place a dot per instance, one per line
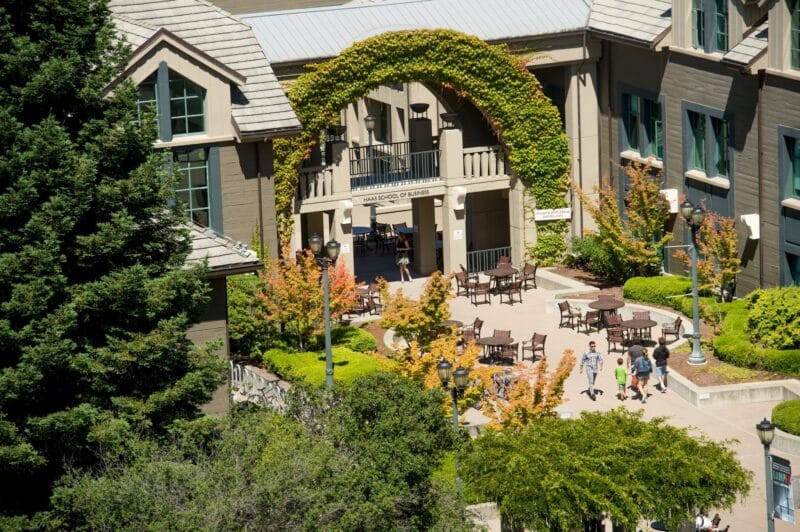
(661, 290)
(786, 416)
(355, 338)
(774, 318)
(309, 366)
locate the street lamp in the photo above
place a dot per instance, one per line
(369, 123)
(445, 371)
(766, 432)
(694, 215)
(332, 249)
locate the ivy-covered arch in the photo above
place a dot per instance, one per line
(498, 83)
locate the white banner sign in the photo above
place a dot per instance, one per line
(544, 215)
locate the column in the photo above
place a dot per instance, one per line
(517, 223)
(340, 166)
(424, 235)
(341, 231)
(454, 226)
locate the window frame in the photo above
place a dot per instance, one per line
(786, 168)
(213, 183)
(650, 153)
(794, 34)
(164, 101)
(185, 98)
(706, 37)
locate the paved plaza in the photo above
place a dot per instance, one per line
(538, 313)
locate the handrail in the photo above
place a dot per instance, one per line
(486, 259)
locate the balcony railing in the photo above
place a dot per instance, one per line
(485, 259)
(487, 161)
(391, 164)
(315, 182)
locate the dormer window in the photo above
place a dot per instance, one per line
(178, 103)
(710, 25)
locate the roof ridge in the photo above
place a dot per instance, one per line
(337, 7)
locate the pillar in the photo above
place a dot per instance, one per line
(454, 223)
(517, 222)
(342, 231)
(340, 167)
(424, 235)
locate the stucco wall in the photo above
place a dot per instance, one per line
(212, 328)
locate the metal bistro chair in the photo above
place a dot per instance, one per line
(590, 320)
(509, 352)
(536, 343)
(510, 289)
(568, 315)
(463, 284)
(528, 273)
(642, 315)
(483, 290)
(616, 337)
(475, 327)
(672, 328)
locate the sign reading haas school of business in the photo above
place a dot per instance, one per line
(544, 215)
(396, 195)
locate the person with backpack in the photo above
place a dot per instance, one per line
(661, 354)
(634, 352)
(642, 368)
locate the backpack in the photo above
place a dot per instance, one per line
(643, 365)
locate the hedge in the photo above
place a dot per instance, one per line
(355, 338)
(659, 290)
(733, 345)
(309, 366)
(786, 416)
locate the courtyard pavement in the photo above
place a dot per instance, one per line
(538, 313)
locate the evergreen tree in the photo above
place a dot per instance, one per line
(94, 299)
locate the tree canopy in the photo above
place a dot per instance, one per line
(556, 474)
(94, 299)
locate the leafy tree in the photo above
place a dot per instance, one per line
(417, 320)
(293, 295)
(95, 301)
(634, 242)
(719, 261)
(556, 474)
(250, 334)
(364, 465)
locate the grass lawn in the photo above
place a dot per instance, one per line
(310, 366)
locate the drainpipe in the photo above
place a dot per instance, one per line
(257, 147)
(762, 76)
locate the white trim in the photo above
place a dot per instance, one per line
(698, 175)
(633, 155)
(195, 138)
(791, 203)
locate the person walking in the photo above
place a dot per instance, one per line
(634, 352)
(621, 373)
(660, 355)
(592, 360)
(642, 367)
(403, 247)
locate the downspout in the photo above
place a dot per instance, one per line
(262, 253)
(762, 76)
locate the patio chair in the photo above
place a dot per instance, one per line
(372, 307)
(463, 284)
(509, 352)
(672, 328)
(614, 321)
(375, 293)
(359, 307)
(568, 315)
(536, 343)
(715, 521)
(641, 315)
(616, 337)
(606, 297)
(467, 337)
(502, 333)
(528, 273)
(504, 259)
(475, 327)
(590, 320)
(483, 290)
(510, 289)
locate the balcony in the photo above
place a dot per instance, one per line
(391, 165)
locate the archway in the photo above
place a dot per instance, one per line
(497, 82)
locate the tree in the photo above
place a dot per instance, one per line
(293, 295)
(556, 474)
(95, 300)
(634, 243)
(418, 320)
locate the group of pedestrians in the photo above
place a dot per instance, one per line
(639, 366)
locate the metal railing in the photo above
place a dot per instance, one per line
(485, 259)
(247, 385)
(390, 164)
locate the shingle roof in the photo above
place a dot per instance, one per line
(643, 21)
(302, 35)
(224, 255)
(751, 47)
(262, 107)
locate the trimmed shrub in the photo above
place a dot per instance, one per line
(355, 338)
(662, 290)
(309, 366)
(774, 318)
(786, 416)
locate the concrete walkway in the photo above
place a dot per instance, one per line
(538, 313)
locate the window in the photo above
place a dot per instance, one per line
(789, 183)
(185, 106)
(192, 189)
(795, 33)
(178, 103)
(383, 123)
(710, 19)
(792, 186)
(709, 143)
(642, 127)
(794, 268)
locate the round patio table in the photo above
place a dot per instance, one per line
(606, 307)
(500, 275)
(639, 326)
(490, 343)
(451, 323)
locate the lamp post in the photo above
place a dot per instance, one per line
(766, 432)
(332, 249)
(369, 123)
(459, 376)
(694, 215)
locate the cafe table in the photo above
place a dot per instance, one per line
(500, 275)
(606, 308)
(492, 343)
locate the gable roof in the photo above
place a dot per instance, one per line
(640, 21)
(224, 255)
(259, 105)
(752, 47)
(302, 35)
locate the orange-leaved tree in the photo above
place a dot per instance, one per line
(293, 295)
(416, 321)
(634, 243)
(719, 261)
(534, 394)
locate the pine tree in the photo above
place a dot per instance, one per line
(94, 299)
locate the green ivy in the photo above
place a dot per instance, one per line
(496, 82)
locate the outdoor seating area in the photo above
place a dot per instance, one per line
(378, 240)
(504, 281)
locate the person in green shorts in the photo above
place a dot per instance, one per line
(621, 373)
